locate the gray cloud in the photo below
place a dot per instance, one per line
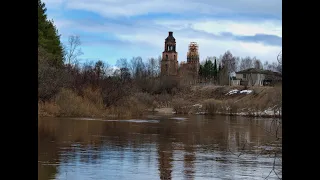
(131, 29)
(262, 38)
(116, 27)
(117, 8)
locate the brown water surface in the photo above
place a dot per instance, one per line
(176, 147)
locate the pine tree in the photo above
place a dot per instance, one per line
(48, 37)
(201, 70)
(208, 69)
(215, 70)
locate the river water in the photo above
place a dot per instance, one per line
(159, 147)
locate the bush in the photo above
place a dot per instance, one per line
(163, 99)
(48, 109)
(212, 106)
(128, 107)
(49, 81)
(71, 104)
(181, 106)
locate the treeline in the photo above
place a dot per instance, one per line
(210, 68)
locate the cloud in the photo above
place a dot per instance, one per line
(118, 8)
(132, 28)
(262, 38)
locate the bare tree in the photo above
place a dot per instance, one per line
(279, 58)
(137, 67)
(229, 61)
(99, 69)
(73, 50)
(257, 64)
(266, 65)
(237, 65)
(122, 63)
(107, 69)
(152, 67)
(271, 67)
(246, 63)
(274, 67)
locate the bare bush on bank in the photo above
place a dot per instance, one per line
(91, 90)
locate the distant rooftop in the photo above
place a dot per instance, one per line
(258, 71)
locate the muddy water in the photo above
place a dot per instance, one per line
(155, 147)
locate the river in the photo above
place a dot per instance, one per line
(159, 147)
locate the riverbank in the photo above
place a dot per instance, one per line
(209, 99)
(253, 101)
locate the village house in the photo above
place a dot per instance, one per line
(256, 77)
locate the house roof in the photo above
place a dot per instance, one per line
(258, 71)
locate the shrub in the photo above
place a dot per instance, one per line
(48, 109)
(212, 106)
(181, 106)
(71, 104)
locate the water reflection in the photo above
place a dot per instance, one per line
(193, 147)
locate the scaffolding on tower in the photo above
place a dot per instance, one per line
(193, 51)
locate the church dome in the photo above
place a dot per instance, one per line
(170, 37)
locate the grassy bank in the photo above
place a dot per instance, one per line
(67, 103)
(261, 101)
(254, 101)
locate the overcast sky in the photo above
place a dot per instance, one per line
(113, 29)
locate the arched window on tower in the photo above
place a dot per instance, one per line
(174, 57)
(166, 56)
(168, 48)
(166, 67)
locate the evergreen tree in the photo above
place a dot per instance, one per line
(215, 70)
(201, 70)
(208, 69)
(48, 37)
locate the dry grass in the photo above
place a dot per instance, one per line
(68, 103)
(90, 105)
(212, 98)
(261, 99)
(48, 109)
(133, 106)
(212, 106)
(181, 106)
(163, 100)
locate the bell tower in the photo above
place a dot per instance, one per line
(169, 62)
(193, 57)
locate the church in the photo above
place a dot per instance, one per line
(187, 71)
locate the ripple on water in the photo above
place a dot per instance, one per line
(179, 118)
(126, 120)
(137, 121)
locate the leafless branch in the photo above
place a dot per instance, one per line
(279, 58)
(277, 124)
(73, 50)
(273, 167)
